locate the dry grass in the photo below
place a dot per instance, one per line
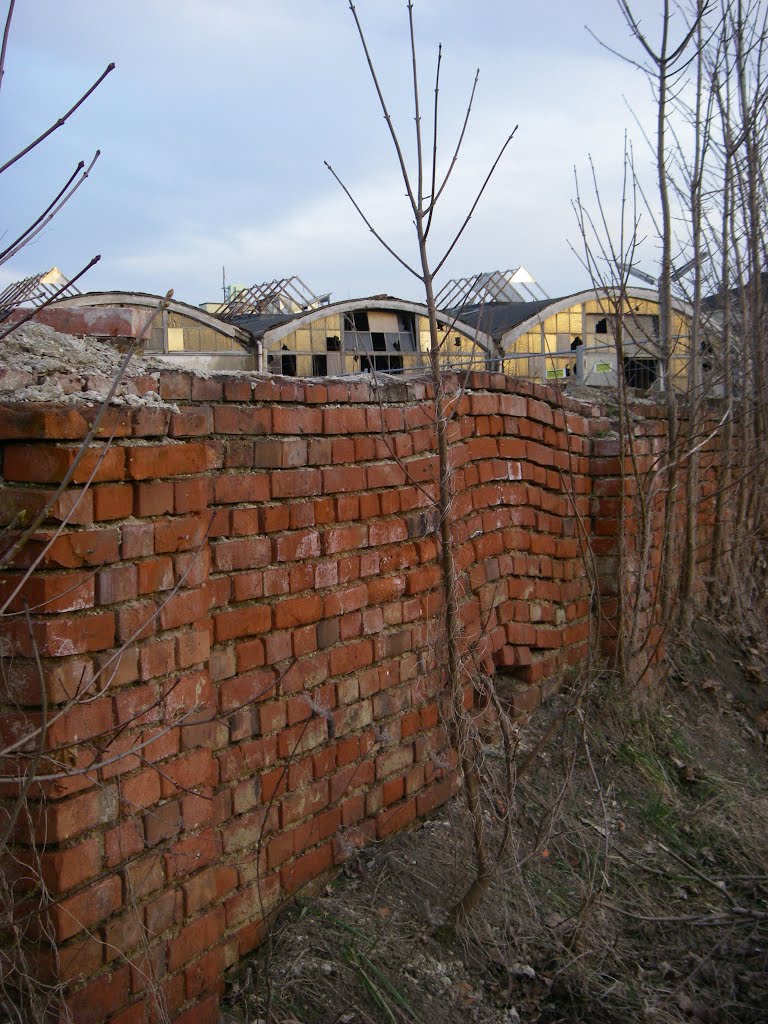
(636, 888)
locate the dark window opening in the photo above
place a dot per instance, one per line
(601, 327)
(288, 360)
(640, 373)
(395, 361)
(379, 344)
(576, 343)
(707, 357)
(333, 344)
(360, 320)
(319, 366)
(457, 341)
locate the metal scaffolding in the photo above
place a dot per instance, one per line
(284, 295)
(36, 290)
(515, 285)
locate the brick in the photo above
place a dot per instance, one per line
(81, 722)
(54, 592)
(48, 464)
(305, 869)
(117, 583)
(230, 555)
(395, 819)
(208, 886)
(183, 533)
(192, 853)
(309, 801)
(297, 546)
(396, 760)
(112, 501)
(140, 790)
(134, 1014)
(175, 385)
(64, 869)
(74, 550)
(205, 975)
(434, 796)
(157, 658)
(204, 1012)
(22, 421)
(101, 998)
(163, 913)
(136, 620)
(239, 622)
(193, 769)
(86, 908)
(194, 422)
(193, 648)
(154, 574)
(185, 607)
(298, 611)
(149, 422)
(229, 420)
(148, 462)
(296, 483)
(63, 635)
(297, 420)
(138, 540)
(351, 657)
(162, 822)
(247, 830)
(153, 499)
(192, 495)
(20, 505)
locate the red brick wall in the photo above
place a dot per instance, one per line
(283, 706)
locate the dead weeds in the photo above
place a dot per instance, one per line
(636, 888)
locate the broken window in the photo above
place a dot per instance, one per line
(356, 320)
(288, 362)
(640, 373)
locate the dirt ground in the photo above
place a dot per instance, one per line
(635, 889)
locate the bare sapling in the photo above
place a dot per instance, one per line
(424, 186)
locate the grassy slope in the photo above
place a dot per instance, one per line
(636, 889)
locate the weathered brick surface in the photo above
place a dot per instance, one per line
(272, 569)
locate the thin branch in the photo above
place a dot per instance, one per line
(61, 121)
(385, 111)
(370, 226)
(478, 197)
(416, 112)
(434, 139)
(6, 33)
(455, 156)
(51, 210)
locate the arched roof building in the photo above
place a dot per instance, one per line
(380, 333)
(591, 335)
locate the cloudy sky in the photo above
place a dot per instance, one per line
(215, 125)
